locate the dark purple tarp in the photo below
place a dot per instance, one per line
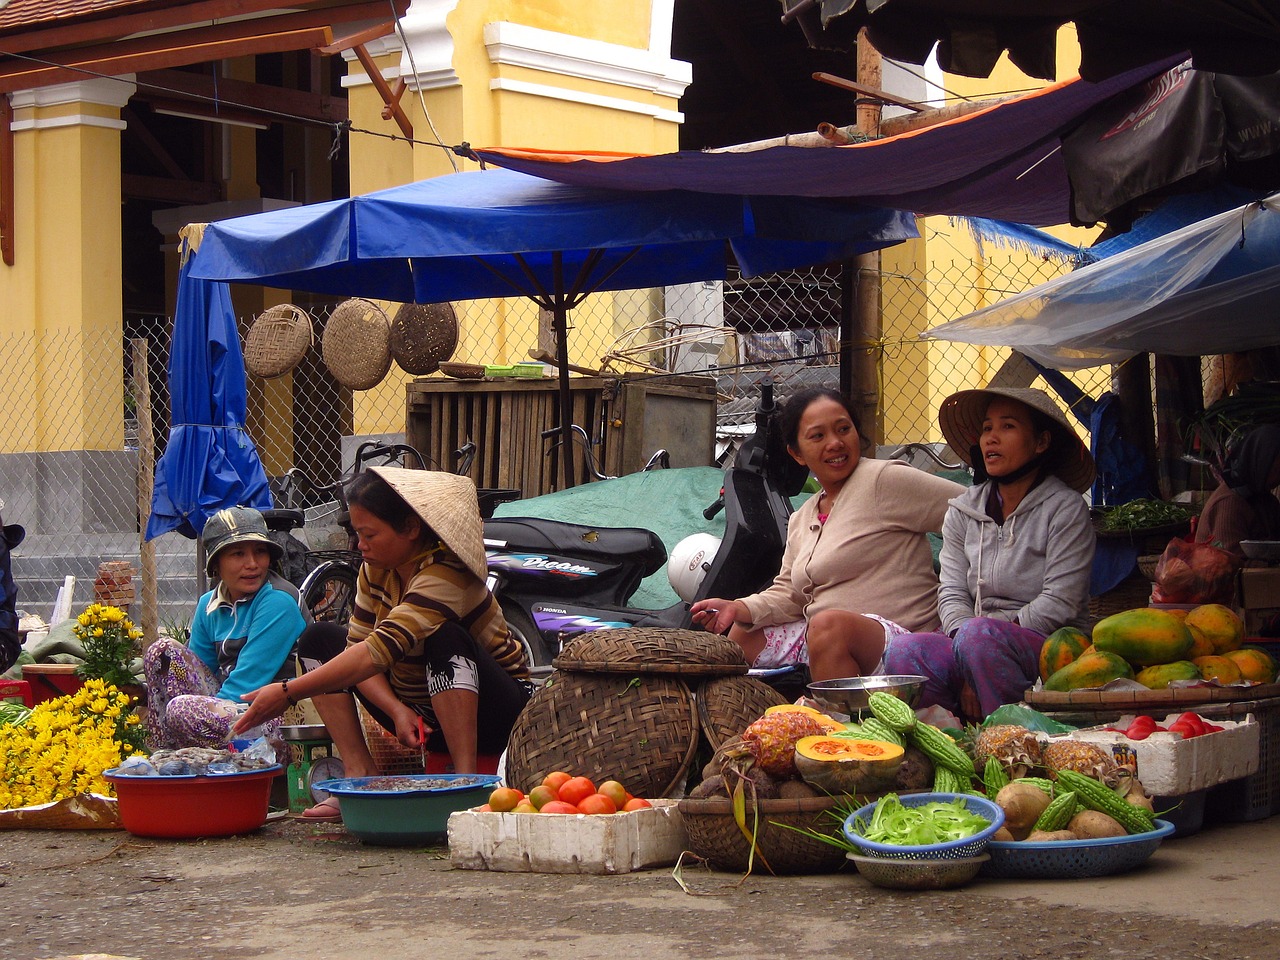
(1004, 163)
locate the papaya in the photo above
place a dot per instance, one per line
(1220, 625)
(1222, 669)
(1158, 676)
(1090, 670)
(1144, 636)
(1061, 648)
(1255, 664)
(1201, 645)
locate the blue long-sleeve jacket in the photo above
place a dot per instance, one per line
(249, 643)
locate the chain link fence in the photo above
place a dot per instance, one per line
(69, 466)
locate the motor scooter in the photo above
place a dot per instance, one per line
(555, 579)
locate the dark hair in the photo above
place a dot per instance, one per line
(794, 406)
(370, 492)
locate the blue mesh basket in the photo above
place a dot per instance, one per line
(1073, 859)
(953, 850)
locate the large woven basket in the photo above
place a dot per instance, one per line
(650, 650)
(727, 705)
(277, 341)
(423, 335)
(642, 730)
(714, 834)
(1134, 591)
(357, 344)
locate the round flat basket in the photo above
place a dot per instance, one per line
(642, 730)
(726, 705)
(714, 834)
(423, 335)
(463, 371)
(277, 341)
(357, 344)
(653, 650)
(1147, 564)
(1073, 859)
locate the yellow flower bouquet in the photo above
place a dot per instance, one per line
(63, 746)
(110, 642)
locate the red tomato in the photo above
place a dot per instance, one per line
(576, 789)
(558, 806)
(597, 803)
(636, 803)
(614, 791)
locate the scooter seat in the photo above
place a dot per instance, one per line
(601, 544)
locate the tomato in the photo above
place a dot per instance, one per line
(576, 789)
(503, 799)
(1194, 721)
(484, 808)
(542, 794)
(615, 792)
(558, 806)
(556, 780)
(1185, 729)
(636, 803)
(524, 806)
(597, 803)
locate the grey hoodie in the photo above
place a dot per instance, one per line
(1033, 569)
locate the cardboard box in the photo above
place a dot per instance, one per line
(1260, 597)
(1169, 766)
(567, 843)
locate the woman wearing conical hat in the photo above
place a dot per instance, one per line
(427, 640)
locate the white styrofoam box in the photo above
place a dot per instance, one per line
(1169, 766)
(567, 843)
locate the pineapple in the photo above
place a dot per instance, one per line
(772, 740)
(1086, 758)
(1015, 747)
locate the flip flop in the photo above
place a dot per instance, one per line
(327, 810)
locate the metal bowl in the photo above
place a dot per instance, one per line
(918, 874)
(306, 731)
(1261, 549)
(849, 694)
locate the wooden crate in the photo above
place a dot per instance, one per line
(506, 417)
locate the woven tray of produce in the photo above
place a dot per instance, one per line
(1072, 859)
(1150, 699)
(1143, 519)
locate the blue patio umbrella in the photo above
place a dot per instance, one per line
(209, 462)
(499, 233)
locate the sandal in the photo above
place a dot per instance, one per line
(327, 810)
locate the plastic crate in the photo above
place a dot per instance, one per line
(1257, 796)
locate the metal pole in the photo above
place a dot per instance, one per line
(560, 324)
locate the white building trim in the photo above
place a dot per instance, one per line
(109, 92)
(591, 99)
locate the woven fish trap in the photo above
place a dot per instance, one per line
(714, 834)
(651, 650)
(357, 344)
(391, 756)
(727, 705)
(278, 340)
(423, 335)
(641, 730)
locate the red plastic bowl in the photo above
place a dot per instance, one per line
(194, 806)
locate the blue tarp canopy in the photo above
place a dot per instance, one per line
(1206, 288)
(209, 462)
(499, 233)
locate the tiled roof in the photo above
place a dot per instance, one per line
(20, 15)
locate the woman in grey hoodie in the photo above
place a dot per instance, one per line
(1016, 552)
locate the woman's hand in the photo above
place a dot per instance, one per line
(717, 615)
(265, 703)
(411, 731)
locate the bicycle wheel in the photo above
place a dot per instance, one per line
(329, 592)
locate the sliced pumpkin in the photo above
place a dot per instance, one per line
(841, 765)
(831, 724)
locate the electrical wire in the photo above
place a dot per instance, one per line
(422, 101)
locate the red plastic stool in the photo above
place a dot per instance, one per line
(9, 689)
(440, 762)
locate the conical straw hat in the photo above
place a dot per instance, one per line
(448, 504)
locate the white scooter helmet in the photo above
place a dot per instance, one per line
(689, 562)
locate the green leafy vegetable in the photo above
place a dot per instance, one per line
(1140, 514)
(929, 823)
(14, 714)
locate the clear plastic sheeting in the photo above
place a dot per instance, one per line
(1207, 288)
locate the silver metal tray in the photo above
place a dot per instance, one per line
(307, 731)
(1261, 549)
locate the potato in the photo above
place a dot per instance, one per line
(1051, 835)
(1022, 804)
(1094, 825)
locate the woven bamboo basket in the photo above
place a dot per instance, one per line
(715, 835)
(277, 341)
(391, 756)
(652, 650)
(357, 344)
(423, 335)
(1135, 591)
(727, 705)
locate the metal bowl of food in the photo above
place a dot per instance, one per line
(1268, 550)
(849, 694)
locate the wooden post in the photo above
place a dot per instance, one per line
(1132, 383)
(867, 323)
(149, 614)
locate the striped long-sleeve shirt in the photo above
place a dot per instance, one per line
(398, 619)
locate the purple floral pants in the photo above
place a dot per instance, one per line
(997, 659)
(183, 707)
